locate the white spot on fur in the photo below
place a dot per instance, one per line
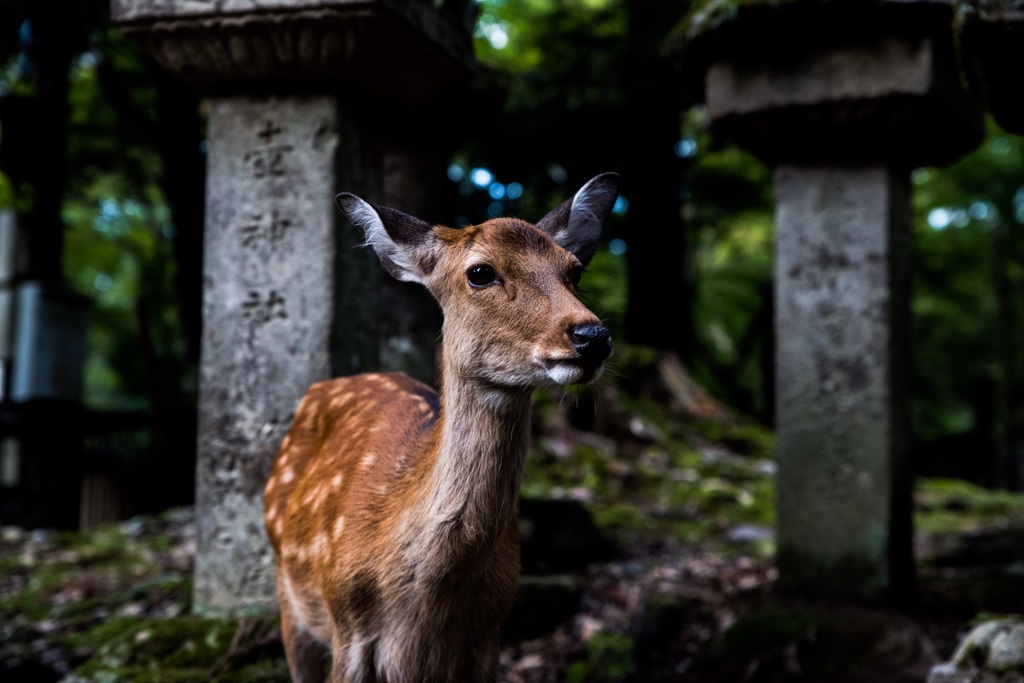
(339, 528)
(319, 496)
(336, 481)
(368, 461)
(287, 475)
(318, 546)
(311, 496)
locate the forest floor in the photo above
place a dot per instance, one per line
(668, 578)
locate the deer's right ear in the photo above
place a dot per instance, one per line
(399, 239)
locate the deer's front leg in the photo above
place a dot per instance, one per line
(307, 656)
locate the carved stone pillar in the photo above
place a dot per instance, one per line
(991, 39)
(306, 99)
(843, 99)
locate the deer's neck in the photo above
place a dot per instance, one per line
(473, 491)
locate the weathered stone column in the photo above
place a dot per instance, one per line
(991, 40)
(843, 99)
(306, 99)
(842, 363)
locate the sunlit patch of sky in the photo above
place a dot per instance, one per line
(982, 211)
(496, 33)
(557, 173)
(944, 217)
(86, 60)
(490, 26)
(686, 148)
(617, 246)
(1018, 205)
(481, 177)
(115, 218)
(110, 219)
(496, 191)
(499, 33)
(456, 173)
(1000, 145)
(939, 218)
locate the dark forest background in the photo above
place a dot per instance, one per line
(565, 90)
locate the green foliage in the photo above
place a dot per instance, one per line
(953, 505)
(969, 294)
(6, 193)
(515, 35)
(119, 231)
(609, 659)
(603, 288)
(119, 253)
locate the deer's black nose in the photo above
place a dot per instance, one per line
(593, 342)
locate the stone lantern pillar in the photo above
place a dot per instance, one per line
(843, 99)
(307, 98)
(991, 39)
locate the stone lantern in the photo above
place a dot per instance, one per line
(991, 39)
(307, 98)
(843, 99)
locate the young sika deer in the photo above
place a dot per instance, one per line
(394, 513)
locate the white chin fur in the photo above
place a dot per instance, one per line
(564, 373)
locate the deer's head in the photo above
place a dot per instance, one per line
(508, 289)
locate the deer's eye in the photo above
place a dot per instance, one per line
(575, 275)
(481, 276)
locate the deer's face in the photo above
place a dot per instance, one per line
(507, 288)
(512, 312)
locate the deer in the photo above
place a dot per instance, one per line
(393, 510)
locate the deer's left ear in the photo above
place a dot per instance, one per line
(576, 225)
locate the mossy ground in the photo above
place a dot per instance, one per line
(182, 649)
(649, 470)
(689, 500)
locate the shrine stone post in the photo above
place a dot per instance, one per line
(843, 99)
(307, 98)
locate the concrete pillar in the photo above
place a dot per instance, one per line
(843, 99)
(991, 38)
(842, 363)
(306, 99)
